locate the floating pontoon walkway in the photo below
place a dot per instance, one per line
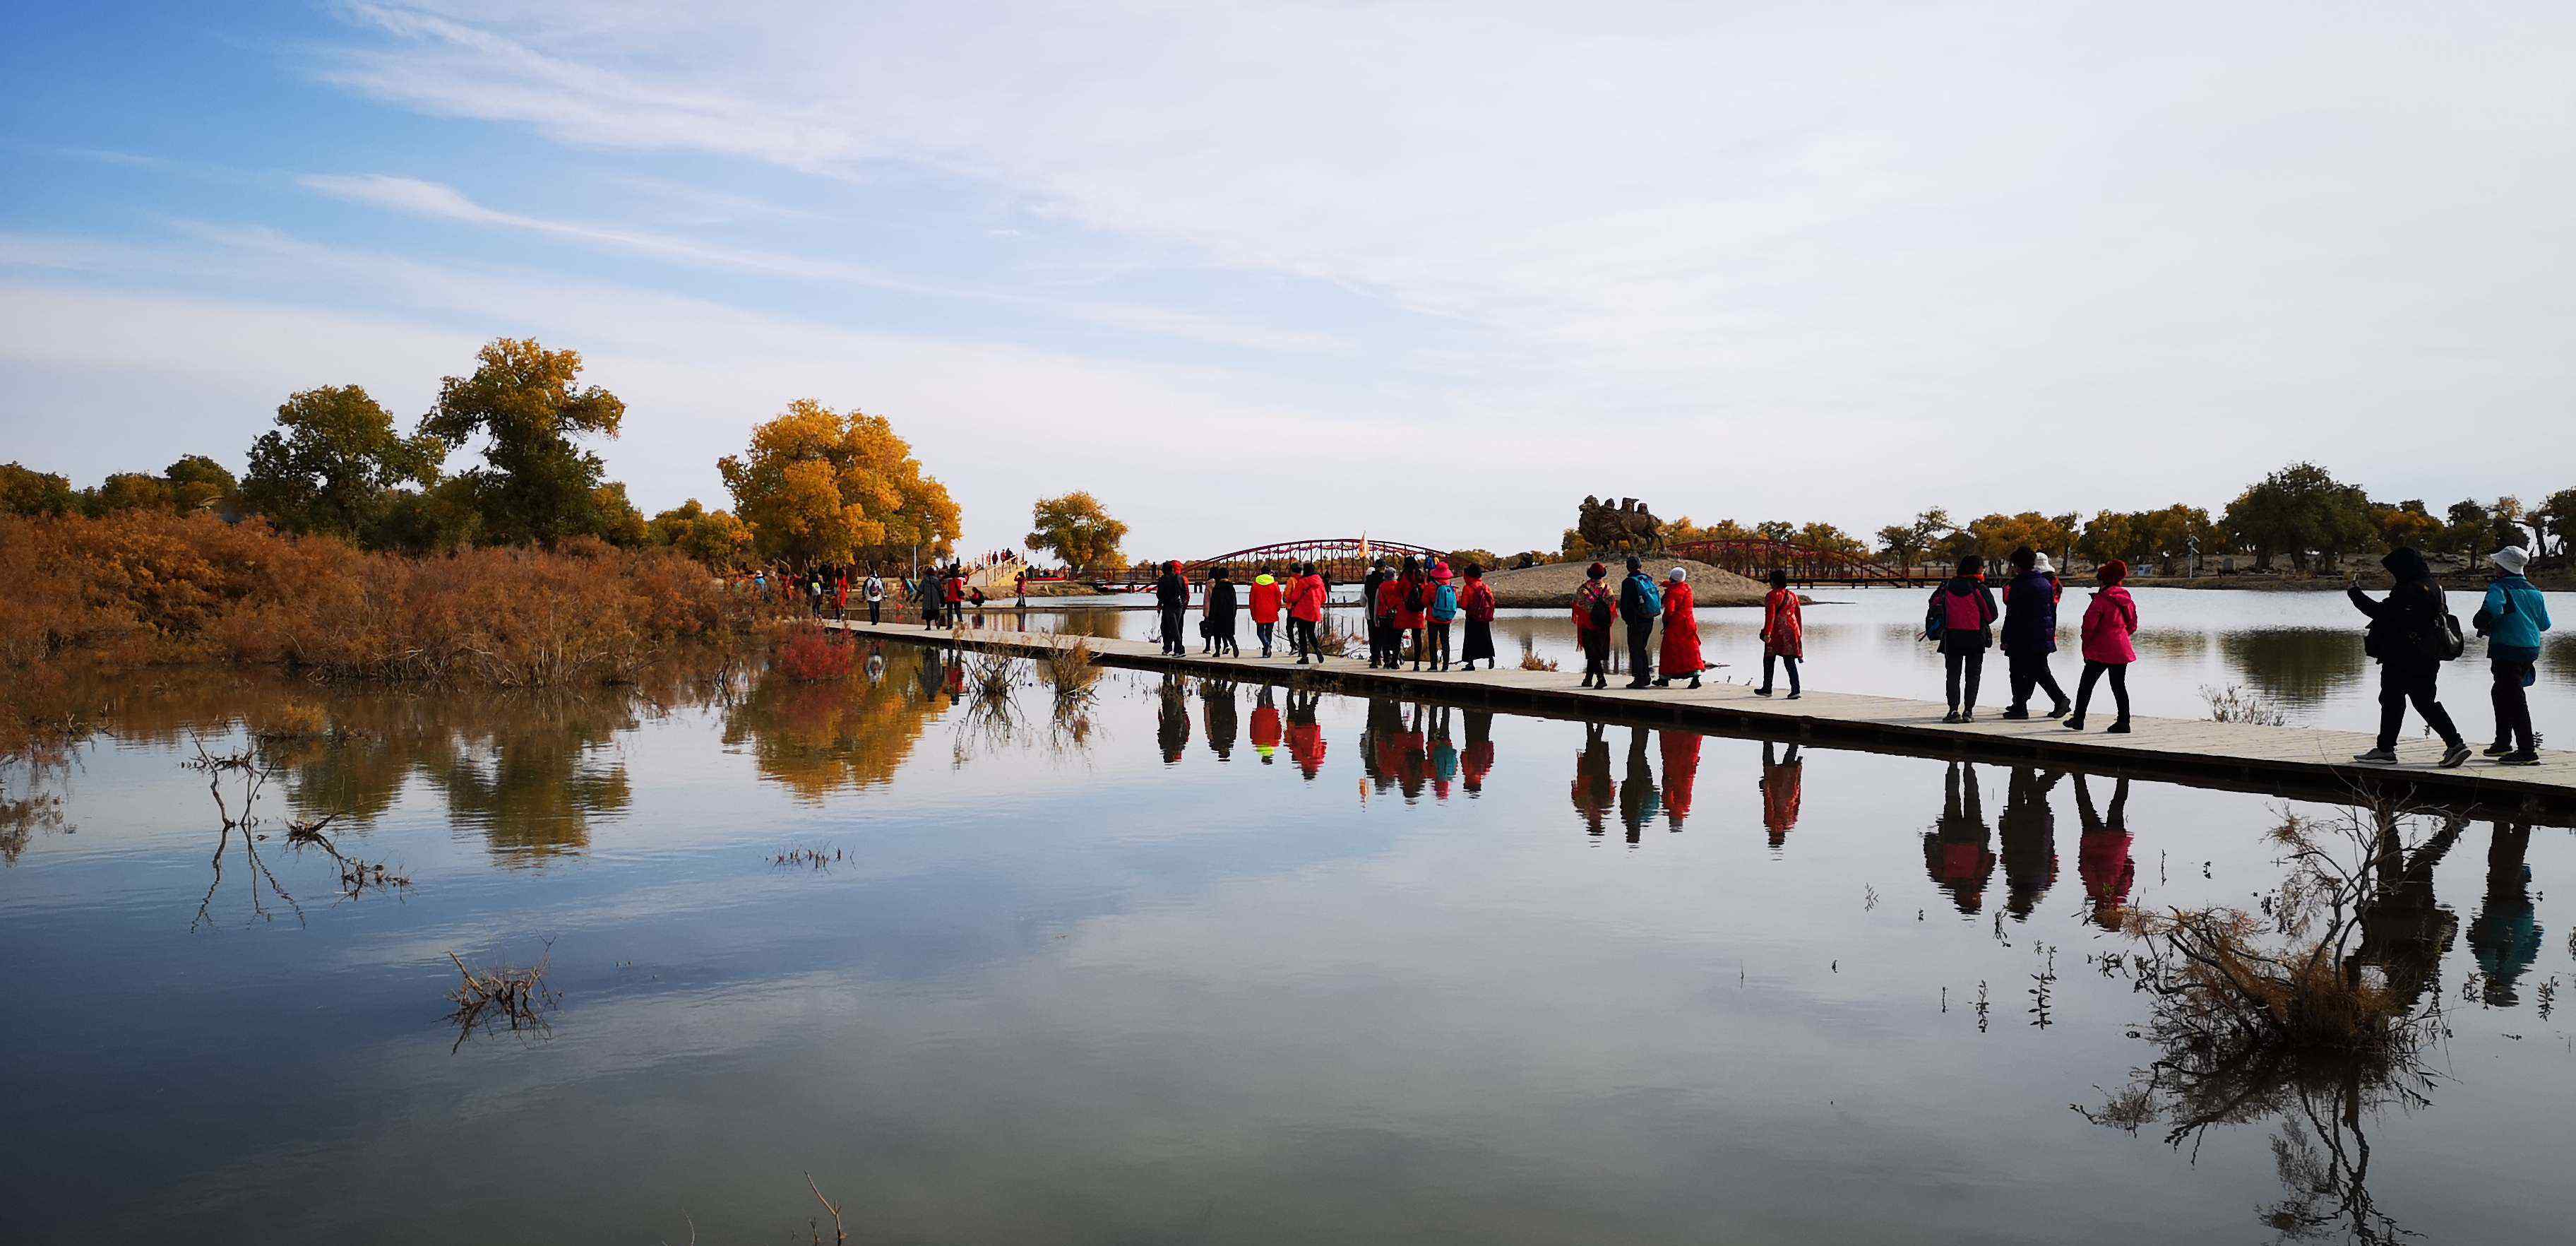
(2287, 761)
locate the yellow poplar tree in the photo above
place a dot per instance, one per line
(824, 486)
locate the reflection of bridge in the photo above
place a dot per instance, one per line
(1758, 558)
(1342, 559)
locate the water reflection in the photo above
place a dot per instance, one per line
(1216, 701)
(820, 738)
(1957, 851)
(1305, 733)
(1784, 788)
(2505, 935)
(2029, 830)
(1172, 718)
(2296, 666)
(2102, 854)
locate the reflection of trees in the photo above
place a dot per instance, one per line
(820, 738)
(531, 782)
(36, 809)
(2297, 666)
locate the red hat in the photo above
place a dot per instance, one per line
(2114, 571)
(1596, 571)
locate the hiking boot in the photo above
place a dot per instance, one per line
(2498, 749)
(2520, 757)
(1951, 717)
(2455, 756)
(2016, 713)
(2118, 728)
(2377, 757)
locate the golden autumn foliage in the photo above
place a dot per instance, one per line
(820, 486)
(1077, 529)
(146, 586)
(844, 734)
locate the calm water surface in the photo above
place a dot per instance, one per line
(1219, 965)
(2299, 652)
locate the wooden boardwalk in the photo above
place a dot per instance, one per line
(2288, 761)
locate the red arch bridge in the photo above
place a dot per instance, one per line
(1346, 559)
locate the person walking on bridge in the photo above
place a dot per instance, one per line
(931, 596)
(873, 590)
(1592, 613)
(1681, 652)
(2411, 633)
(1381, 620)
(1784, 632)
(2512, 619)
(1306, 614)
(2109, 621)
(1639, 602)
(1221, 605)
(1443, 609)
(2030, 634)
(1266, 596)
(1961, 614)
(1476, 602)
(1171, 601)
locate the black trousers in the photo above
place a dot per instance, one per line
(2030, 673)
(2093, 672)
(2512, 708)
(1171, 621)
(874, 607)
(1641, 650)
(1596, 653)
(2419, 684)
(1439, 637)
(1792, 663)
(1960, 673)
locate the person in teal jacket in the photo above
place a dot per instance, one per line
(2512, 620)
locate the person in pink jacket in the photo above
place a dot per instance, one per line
(2108, 623)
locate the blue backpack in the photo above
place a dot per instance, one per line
(1444, 604)
(1651, 598)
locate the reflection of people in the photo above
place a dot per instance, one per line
(1681, 771)
(1216, 700)
(1639, 802)
(2102, 857)
(1305, 736)
(1783, 785)
(2403, 930)
(1382, 741)
(1265, 726)
(1478, 759)
(1444, 753)
(2504, 935)
(1955, 851)
(2029, 830)
(1412, 757)
(1171, 721)
(1591, 792)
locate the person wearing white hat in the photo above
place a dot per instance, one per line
(2512, 619)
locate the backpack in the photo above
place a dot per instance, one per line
(2443, 642)
(1413, 597)
(1650, 599)
(1444, 604)
(1601, 612)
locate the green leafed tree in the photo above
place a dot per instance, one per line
(2301, 511)
(538, 482)
(1077, 529)
(327, 465)
(26, 491)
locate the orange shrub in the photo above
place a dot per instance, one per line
(812, 655)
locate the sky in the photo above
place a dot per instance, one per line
(1253, 272)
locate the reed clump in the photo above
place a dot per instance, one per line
(505, 996)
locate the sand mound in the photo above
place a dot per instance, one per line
(1554, 583)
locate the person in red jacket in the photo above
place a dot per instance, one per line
(1784, 633)
(1306, 615)
(1680, 650)
(1476, 602)
(1266, 596)
(1593, 609)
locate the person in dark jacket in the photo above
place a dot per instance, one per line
(1172, 600)
(2030, 635)
(1220, 613)
(2404, 628)
(1961, 617)
(1378, 624)
(933, 600)
(1639, 602)
(2512, 618)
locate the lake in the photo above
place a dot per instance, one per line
(1208, 963)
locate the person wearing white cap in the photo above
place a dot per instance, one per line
(2512, 619)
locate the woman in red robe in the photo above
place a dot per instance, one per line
(1681, 630)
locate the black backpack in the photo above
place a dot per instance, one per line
(1413, 598)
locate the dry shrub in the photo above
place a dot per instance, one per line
(1070, 669)
(2233, 704)
(500, 997)
(813, 655)
(142, 586)
(1530, 661)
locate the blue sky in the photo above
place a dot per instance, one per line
(1257, 271)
